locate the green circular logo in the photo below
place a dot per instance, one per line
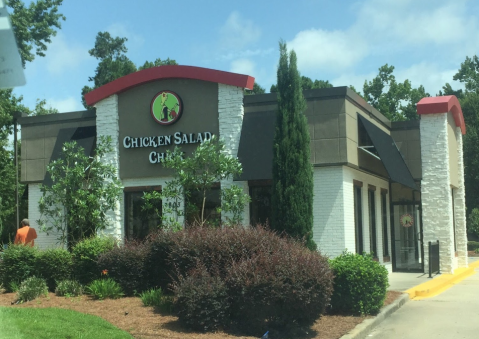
(166, 108)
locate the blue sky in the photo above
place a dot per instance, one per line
(342, 41)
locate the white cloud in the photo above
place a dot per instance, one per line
(321, 49)
(430, 75)
(64, 55)
(243, 66)
(246, 54)
(348, 79)
(120, 30)
(238, 33)
(69, 104)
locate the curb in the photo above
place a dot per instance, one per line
(441, 283)
(363, 329)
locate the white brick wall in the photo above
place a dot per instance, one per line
(351, 174)
(230, 116)
(107, 125)
(333, 210)
(435, 189)
(43, 241)
(460, 206)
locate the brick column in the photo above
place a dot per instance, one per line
(436, 194)
(107, 125)
(460, 206)
(230, 116)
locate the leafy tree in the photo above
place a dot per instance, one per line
(33, 26)
(257, 89)
(156, 63)
(84, 189)
(307, 83)
(292, 191)
(469, 74)
(113, 62)
(397, 101)
(196, 175)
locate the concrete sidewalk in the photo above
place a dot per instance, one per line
(453, 314)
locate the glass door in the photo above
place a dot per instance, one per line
(407, 238)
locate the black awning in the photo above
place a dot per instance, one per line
(256, 146)
(389, 154)
(84, 137)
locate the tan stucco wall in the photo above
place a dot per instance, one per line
(38, 141)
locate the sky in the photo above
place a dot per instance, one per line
(342, 41)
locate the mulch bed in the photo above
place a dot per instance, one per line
(130, 315)
(472, 254)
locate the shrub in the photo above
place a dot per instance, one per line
(201, 301)
(284, 290)
(53, 265)
(105, 289)
(156, 298)
(360, 284)
(126, 265)
(249, 277)
(159, 246)
(32, 288)
(69, 288)
(17, 264)
(472, 245)
(85, 255)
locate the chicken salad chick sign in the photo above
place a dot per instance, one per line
(166, 109)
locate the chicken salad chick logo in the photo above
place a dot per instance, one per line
(166, 108)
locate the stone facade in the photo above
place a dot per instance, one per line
(436, 193)
(460, 206)
(107, 125)
(230, 116)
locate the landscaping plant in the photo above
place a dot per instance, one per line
(69, 288)
(53, 265)
(156, 298)
(126, 265)
(17, 264)
(85, 255)
(104, 289)
(32, 288)
(292, 189)
(360, 284)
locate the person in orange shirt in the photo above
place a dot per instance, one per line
(25, 234)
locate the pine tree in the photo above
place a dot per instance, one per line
(292, 193)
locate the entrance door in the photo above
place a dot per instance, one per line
(407, 238)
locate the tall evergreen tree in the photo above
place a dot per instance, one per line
(292, 193)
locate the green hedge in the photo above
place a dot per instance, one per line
(360, 284)
(54, 265)
(85, 255)
(472, 245)
(17, 264)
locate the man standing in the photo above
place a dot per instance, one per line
(25, 234)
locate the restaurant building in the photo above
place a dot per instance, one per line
(379, 186)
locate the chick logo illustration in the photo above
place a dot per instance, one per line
(166, 108)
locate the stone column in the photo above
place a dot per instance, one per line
(436, 194)
(460, 206)
(230, 116)
(107, 125)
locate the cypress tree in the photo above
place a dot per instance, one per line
(292, 191)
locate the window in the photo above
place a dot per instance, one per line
(384, 217)
(212, 203)
(358, 217)
(372, 221)
(260, 206)
(138, 222)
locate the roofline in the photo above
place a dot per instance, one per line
(167, 72)
(443, 104)
(58, 117)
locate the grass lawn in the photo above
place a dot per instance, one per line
(52, 323)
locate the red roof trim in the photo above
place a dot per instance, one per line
(444, 104)
(167, 72)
